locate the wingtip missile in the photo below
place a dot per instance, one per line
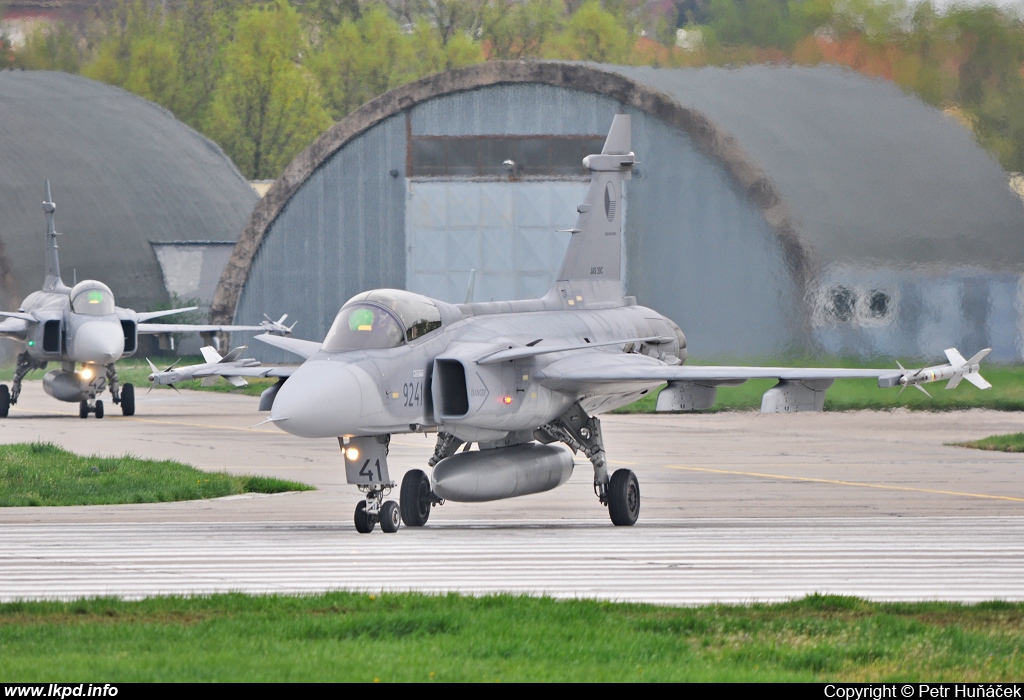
(277, 327)
(166, 377)
(954, 371)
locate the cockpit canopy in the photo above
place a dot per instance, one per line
(383, 318)
(92, 298)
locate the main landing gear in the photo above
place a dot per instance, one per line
(123, 395)
(9, 397)
(621, 492)
(417, 498)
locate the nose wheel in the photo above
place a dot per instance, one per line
(375, 510)
(93, 407)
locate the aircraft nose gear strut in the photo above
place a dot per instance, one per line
(375, 510)
(366, 466)
(621, 492)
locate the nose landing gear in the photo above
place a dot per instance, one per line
(366, 466)
(375, 510)
(87, 407)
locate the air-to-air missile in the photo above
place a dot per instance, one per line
(956, 369)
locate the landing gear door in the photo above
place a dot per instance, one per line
(366, 460)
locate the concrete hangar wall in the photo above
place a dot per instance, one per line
(774, 209)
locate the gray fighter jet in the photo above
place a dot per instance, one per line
(81, 327)
(516, 378)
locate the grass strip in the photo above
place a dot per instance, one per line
(413, 637)
(998, 443)
(43, 474)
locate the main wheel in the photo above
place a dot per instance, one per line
(83, 409)
(362, 519)
(416, 498)
(99, 409)
(128, 400)
(5, 400)
(624, 497)
(390, 518)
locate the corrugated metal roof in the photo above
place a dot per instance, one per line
(124, 172)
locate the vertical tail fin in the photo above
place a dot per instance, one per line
(590, 271)
(52, 282)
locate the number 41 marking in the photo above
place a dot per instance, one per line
(367, 472)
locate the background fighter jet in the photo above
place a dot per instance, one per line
(516, 378)
(82, 326)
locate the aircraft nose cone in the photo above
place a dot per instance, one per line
(325, 399)
(101, 342)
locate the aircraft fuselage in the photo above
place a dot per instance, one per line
(436, 380)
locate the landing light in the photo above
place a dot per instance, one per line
(351, 454)
(87, 373)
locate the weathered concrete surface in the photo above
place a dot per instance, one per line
(727, 465)
(678, 562)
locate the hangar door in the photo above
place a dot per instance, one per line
(493, 204)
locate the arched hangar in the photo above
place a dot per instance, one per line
(775, 209)
(145, 204)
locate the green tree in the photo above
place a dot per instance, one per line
(358, 59)
(54, 48)
(878, 20)
(266, 107)
(139, 53)
(761, 23)
(327, 14)
(992, 49)
(363, 59)
(592, 34)
(451, 17)
(154, 72)
(201, 30)
(462, 51)
(517, 30)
